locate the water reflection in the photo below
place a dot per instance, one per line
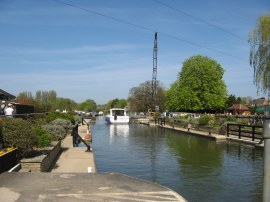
(118, 131)
(197, 157)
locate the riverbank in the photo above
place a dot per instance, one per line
(192, 131)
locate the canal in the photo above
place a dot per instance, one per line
(197, 168)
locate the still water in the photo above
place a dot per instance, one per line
(197, 168)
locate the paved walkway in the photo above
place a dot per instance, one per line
(70, 187)
(75, 159)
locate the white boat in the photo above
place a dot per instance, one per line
(117, 115)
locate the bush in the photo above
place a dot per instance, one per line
(204, 119)
(63, 122)
(55, 115)
(19, 133)
(44, 138)
(57, 132)
(231, 119)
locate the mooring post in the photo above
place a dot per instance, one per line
(266, 174)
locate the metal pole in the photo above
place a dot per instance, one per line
(266, 179)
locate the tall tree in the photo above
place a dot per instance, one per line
(115, 103)
(259, 39)
(25, 98)
(140, 98)
(230, 101)
(47, 99)
(199, 86)
(65, 104)
(88, 105)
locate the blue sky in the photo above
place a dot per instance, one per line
(100, 49)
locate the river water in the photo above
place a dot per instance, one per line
(197, 168)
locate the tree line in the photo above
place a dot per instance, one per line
(47, 101)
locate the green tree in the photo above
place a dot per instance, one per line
(230, 100)
(65, 104)
(25, 98)
(47, 99)
(259, 39)
(122, 103)
(115, 103)
(88, 105)
(199, 86)
(140, 98)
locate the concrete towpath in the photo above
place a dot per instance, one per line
(75, 159)
(70, 187)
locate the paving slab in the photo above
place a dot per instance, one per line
(58, 187)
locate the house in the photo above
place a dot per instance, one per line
(6, 96)
(260, 102)
(239, 109)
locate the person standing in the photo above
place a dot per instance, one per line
(3, 107)
(9, 111)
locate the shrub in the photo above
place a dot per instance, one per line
(57, 132)
(55, 115)
(78, 119)
(187, 116)
(19, 133)
(44, 138)
(63, 122)
(204, 119)
(231, 119)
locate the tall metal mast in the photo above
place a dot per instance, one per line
(154, 76)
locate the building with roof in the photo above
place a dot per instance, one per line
(6, 96)
(239, 109)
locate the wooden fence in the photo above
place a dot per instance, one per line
(248, 132)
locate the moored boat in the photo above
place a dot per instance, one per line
(117, 115)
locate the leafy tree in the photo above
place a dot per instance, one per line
(122, 103)
(199, 86)
(230, 100)
(46, 99)
(65, 103)
(140, 98)
(25, 98)
(239, 100)
(88, 105)
(115, 103)
(259, 39)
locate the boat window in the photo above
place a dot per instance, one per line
(119, 113)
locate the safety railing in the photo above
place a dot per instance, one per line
(249, 132)
(160, 121)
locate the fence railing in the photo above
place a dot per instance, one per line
(160, 121)
(249, 132)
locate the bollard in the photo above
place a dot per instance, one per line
(266, 174)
